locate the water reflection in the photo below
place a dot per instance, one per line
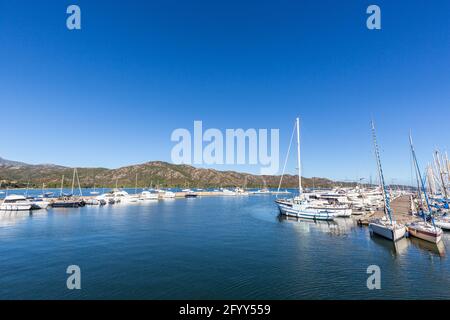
(337, 227)
(397, 248)
(10, 218)
(437, 249)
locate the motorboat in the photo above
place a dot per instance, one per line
(240, 192)
(191, 194)
(118, 196)
(227, 192)
(39, 203)
(168, 195)
(147, 195)
(16, 203)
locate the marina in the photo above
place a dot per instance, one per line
(218, 242)
(236, 151)
(134, 250)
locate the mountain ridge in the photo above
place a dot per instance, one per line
(151, 173)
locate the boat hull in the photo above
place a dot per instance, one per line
(430, 236)
(443, 224)
(15, 207)
(305, 214)
(41, 204)
(387, 231)
(74, 204)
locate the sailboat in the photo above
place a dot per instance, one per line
(68, 201)
(422, 229)
(386, 226)
(94, 192)
(299, 206)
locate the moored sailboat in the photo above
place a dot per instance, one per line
(299, 206)
(422, 229)
(386, 226)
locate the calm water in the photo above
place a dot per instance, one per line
(207, 248)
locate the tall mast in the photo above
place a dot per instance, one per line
(299, 162)
(73, 180)
(431, 180)
(386, 196)
(448, 167)
(441, 173)
(79, 185)
(135, 185)
(413, 151)
(62, 184)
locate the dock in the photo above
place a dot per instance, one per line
(401, 209)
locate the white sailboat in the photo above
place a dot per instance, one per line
(386, 226)
(422, 229)
(299, 206)
(94, 192)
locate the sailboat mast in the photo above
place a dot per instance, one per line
(299, 162)
(78, 181)
(413, 151)
(135, 185)
(73, 180)
(441, 174)
(62, 184)
(387, 200)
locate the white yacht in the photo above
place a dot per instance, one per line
(241, 192)
(300, 206)
(147, 195)
(117, 196)
(227, 192)
(168, 194)
(39, 203)
(16, 203)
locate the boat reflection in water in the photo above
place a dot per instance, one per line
(337, 227)
(396, 248)
(437, 249)
(10, 218)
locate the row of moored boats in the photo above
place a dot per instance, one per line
(429, 222)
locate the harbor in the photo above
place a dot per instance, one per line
(215, 248)
(219, 241)
(227, 153)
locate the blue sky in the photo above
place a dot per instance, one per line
(112, 93)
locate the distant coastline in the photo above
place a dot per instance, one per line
(19, 175)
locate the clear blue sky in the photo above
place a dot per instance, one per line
(111, 94)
